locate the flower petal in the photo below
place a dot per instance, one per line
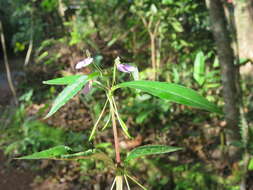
(87, 88)
(126, 68)
(84, 63)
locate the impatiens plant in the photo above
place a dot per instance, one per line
(108, 83)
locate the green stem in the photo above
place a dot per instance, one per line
(114, 75)
(135, 181)
(98, 68)
(128, 187)
(107, 122)
(101, 85)
(122, 124)
(96, 124)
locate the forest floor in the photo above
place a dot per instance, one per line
(14, 178)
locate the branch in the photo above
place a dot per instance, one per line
(7, 64)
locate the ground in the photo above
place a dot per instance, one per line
(14, 178)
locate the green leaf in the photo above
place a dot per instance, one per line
(63, 80)
(177, 26)
(70, 91)
(153, 9)
(242, 61)
(250, 166)
(199, 68)
(150, 150)
(90, 154)
(103, 145)
(49, 153)
(216, 62)
(167, 2)
(78, 155)
(173, 92)
(62, 153)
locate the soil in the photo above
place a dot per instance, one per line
(14, 178)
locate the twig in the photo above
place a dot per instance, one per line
(30, 48)
(29, 52)
(7, 65)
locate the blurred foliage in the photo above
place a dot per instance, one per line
(22, 134)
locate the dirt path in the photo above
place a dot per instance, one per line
(13, 178)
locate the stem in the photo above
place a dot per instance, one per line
(98, 68)
(114, 72)
(116, 140)
(8, 72)
(107, 122)
(119, 182)
(96, 124)
(153, 54)
(128, 187)
(101, 85)
(135, 181)
(121, 122)
(30, 48)
(113, 183)
(115, 133)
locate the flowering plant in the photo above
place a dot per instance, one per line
(98, 79)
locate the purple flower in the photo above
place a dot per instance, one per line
(87, 88)
(126, 68)
(129, 69)
(84, 63)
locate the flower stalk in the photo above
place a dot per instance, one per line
(115, 132)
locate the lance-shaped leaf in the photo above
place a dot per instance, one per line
(63, 80)
(49, 153)
(70, 91)
(94, 154)
(199, 68)
(172, 92)
(64, 153)
(78, 155)
(150, 150)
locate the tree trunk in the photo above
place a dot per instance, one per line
(228, 73)
(244, 22)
